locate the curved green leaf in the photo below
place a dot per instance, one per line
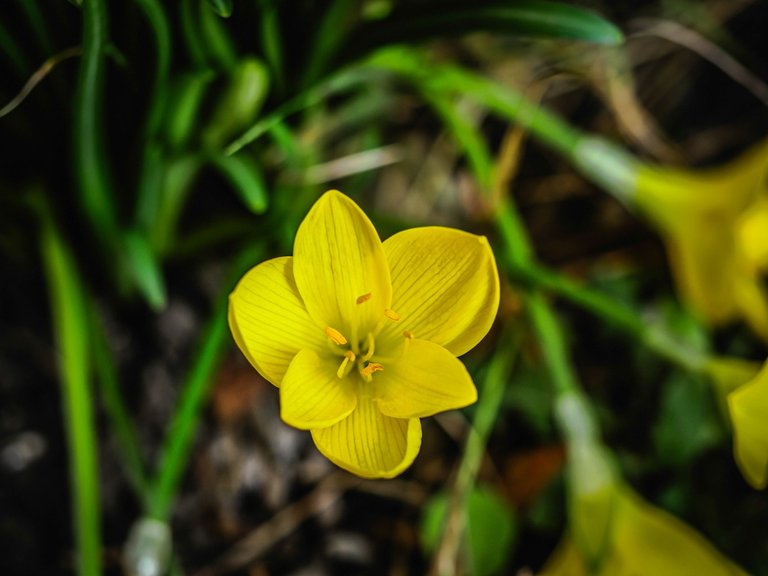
(538, 18)
(245, 177)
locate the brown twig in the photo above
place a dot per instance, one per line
(38, 77)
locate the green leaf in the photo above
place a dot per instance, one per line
(490, 529)
(222, 7)
(184, 106)
(688, 420)
(145, 270)
(245, 177)
(70, 331)
(240, 103)
(538, 18)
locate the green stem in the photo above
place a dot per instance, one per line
(490, 397)
(180, 434)
(509, 103)
(89, 145)
(338, 83)
(71, 334)
(655, 337)
(446, 80)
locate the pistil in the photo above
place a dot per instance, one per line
(371, 347)
(348, 357)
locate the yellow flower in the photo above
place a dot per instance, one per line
(715, 225)
(643, 541)
(362, 336)
(748, 406)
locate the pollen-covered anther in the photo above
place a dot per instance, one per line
(391, 314)
(363, 298)
(370, 368)
(408, 334)
(348, 357)
(336, 336)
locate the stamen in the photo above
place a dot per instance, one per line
(371, 347)
(391, 314)
(363, 298)
(348, 357)
(370, 369)
(335, 335)
(408, 334)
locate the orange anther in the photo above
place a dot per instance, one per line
(391, 314)
(335, 335)
(363, 298)
(371, 368)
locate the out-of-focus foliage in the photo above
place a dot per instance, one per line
(154, 151)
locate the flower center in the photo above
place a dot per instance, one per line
(360, 354)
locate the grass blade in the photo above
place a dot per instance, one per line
(71, 335)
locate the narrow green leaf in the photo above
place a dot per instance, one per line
(91, 165)
(240, 103)
(183, 108)
(71, 336)
(221, 7)
(145, 269)
(329, 36)
(216, 40)
(339, 82)
(413, 22)
(244, 174)
(271, 42)
(149, 176)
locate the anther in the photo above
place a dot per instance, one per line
(348, 357)
(391, 314)
(408, 334)
(363, 298)
(335, 335)
(371, 368)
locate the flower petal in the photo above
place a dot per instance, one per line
(339, 259)
(445, 286)
(268, 319)
(425, 380)
(312, 395)
(748, 406)
(703, 261)
(370, 444)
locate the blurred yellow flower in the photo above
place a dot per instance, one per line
(748, 407)
(642, 541)
(362, 336)
(715, 225)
